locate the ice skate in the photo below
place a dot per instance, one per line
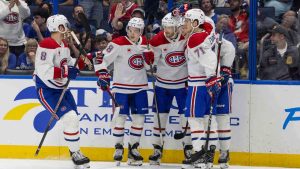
(155, 158)
(224, 159)
(118, 155)
(134, 156)
(80, 161)
(210, 154)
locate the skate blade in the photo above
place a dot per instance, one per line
(185, 166)
(154, 162)
(200, 165)
(209, 165)
(134, 163)
(224, 165)
(80, 167)
(118, 163)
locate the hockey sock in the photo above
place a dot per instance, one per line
(118, 130)
(163, 121)
(197, 132)
(213, 136)
(224, 131)
(71, 130)
(136, 128)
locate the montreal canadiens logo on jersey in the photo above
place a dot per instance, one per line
(175, 59)
(12, 18)
(136, 62)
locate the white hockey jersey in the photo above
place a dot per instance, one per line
(227, 52)
(50, 57)
(129, 74)
(202, 61)
(171, 64)
(11, 22)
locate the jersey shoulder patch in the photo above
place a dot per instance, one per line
(196, 39)
(49, 43)
(121, 41)
(159, 39)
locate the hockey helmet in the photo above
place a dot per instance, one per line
(54, 21)
(195, 14)
(136, 23)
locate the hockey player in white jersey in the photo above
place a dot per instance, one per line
(130, 86)
(223, 107)
(53, 67)
(203, 85)
(171, 78)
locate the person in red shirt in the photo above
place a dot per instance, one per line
(120, 15)
(239, 25)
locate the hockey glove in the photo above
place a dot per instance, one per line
(213, 86)
(70, 72)
(225, 73)
(104, 79)
(148, 56)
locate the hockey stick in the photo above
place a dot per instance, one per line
(117, 108)
(154, 92)
(178, 136)
(213, 97)
(84, 21)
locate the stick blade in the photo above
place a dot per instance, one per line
(178, 136)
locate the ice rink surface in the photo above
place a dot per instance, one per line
(60, 164)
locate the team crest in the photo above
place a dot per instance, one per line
(12, 18)
(175, 59)
(136, 62)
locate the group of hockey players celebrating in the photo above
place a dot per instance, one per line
(193, 65)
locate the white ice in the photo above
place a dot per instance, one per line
(61, 164)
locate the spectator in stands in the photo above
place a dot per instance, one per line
(93, 10)
(100, 42)
(281, 6)
(120, 15)
(47, 6)
(103, 32)
(60, 2)
(280, 60)
(222, 25)
(239, 25)
(290, 22)
(207, 6)
(263, 24)
(104, 22)
(26, 59)
(12, 13)
(38, 29)
(7, 59)
(77, 26)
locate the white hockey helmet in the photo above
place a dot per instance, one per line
(169, 20)
(195, 14)
(136, 23)
(54, 21)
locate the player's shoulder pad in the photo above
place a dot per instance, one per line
(159, 39)
(196, 39)
(121, 41)
(49, 43)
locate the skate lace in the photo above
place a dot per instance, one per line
(223, 155)
(135, 152)
(118, 152)
(157, 152)
(77, 155)
(188, 153)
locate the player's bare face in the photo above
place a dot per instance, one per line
(133, 34)
(187, 26)
(169, 31)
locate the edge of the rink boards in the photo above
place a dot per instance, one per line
(170, 156)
